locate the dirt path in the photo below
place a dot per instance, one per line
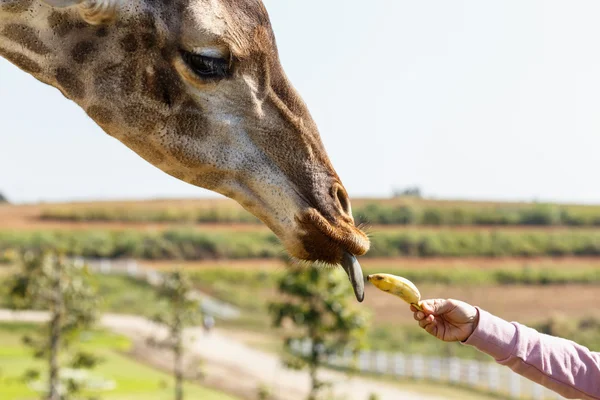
(232, 365)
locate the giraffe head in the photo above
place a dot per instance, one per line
(196, 88)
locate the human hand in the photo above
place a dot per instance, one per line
(447, 320)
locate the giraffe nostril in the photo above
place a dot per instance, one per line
(343, 201)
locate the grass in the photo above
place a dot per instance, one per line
(134, 381)
(139, 382)
(125, 295)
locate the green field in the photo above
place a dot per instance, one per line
(193, 244)
(400, 211)
(134, 381)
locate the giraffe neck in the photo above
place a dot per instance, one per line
(98, 67)
(120, 74)
(57, 47)
(23, 37)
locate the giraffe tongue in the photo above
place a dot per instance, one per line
(352, 268)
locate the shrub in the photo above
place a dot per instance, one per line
(189, 244)
(169, 245)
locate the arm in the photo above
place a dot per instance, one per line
(561, 365)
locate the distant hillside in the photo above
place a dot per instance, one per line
(3, 199)
(407, 210)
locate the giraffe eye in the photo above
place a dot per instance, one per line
(207, 67)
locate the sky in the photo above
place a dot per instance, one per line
(475, 99)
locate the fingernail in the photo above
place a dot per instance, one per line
(420, 315)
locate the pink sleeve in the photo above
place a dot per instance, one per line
(561, 365)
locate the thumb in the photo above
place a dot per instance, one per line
(437, 306)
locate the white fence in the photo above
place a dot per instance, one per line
(485, 376)
(133, 269)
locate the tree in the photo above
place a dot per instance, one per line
(321, 310)
(412, 191)
(182, 311)
(45, 281)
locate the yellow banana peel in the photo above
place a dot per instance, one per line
(398, 286)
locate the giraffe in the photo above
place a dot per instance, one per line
(196, 88)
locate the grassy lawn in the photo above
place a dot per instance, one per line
(134, 381)
(122, 294)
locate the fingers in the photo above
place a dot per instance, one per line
(430, 319)
(437, 306)
(427, 322)
(432, 328)
(419, 315)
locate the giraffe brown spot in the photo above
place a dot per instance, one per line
(71, 85)
(129, 77)
(26, 37)
(146, 24)
(16, 6)
(166, 54)
(82, 51)
(129, 43)
(210, 180)
(145, 149)
(62, 23)
(183, 156)
(148, 40)
(190, 123)
(21, 61)
(164, 86)
(141, 118)
(102, 115)
(102, 32)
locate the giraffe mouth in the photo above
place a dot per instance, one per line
(327, 240)
(337, 244)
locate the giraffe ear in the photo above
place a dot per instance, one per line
(94, 12)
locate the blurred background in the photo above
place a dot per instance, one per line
(466, 133)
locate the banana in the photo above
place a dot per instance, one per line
(397, 286)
